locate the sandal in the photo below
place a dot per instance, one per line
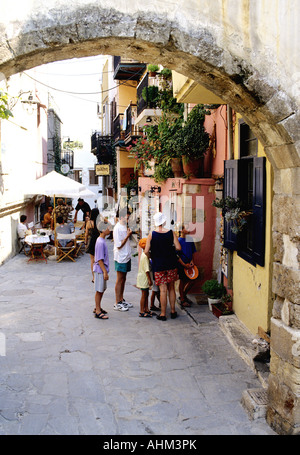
(102, 311)
(151, 313)
(161, 318)
(101, 316)
(145, 315)
(154, 308)
(185, 304)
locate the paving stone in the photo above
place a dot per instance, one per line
(67, 373)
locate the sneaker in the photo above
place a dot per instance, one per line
(126, 304)
(120, 307)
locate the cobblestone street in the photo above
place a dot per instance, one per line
(67, 373)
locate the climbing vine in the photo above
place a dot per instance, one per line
(5, 113)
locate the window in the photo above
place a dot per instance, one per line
(93, 178)
(78, 175)
(245, 179)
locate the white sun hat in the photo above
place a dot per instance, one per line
(159, 219)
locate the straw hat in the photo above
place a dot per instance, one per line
(192, 273)
(159, 219)
(142, 243)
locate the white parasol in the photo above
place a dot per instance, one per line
(56, 185)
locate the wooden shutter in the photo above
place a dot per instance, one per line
(230, 189)
(259, 202)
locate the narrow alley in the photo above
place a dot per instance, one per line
(63, 372)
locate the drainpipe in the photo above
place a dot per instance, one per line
(230, 157)
(229, 133)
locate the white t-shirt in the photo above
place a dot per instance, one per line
(121, 255)
(22, 228)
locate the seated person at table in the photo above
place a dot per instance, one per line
(63, 228)
(61, 210)
(46, 223)
(22, 227)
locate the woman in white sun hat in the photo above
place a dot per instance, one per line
(162, 245)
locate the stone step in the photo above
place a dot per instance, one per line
(255, 402)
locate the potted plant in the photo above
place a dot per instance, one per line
(232, 210)
(151, 95)
(214, 290)
(152, 69)
(166, 73)
(164, 150)
(224, 307)
(194, 141)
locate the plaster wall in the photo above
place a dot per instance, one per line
(245, 52)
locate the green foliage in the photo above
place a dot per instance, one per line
(132, 184)
(190, 139)
(213, 289)
(152, 68)
(5, 113)
(228, 203)
(162, 172)
(166, 73)
(233, 211)
(151, 95)
(193, 137)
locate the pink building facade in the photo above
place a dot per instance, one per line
(190, 201)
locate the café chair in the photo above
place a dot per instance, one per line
(66, 252)
(80, 246)
(25, 247)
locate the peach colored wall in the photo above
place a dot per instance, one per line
(201, 195)
(214, 160)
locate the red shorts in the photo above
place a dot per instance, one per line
(166, 276)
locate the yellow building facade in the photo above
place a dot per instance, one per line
(250, 284)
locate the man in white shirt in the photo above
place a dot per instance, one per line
(22, 228)
(122, 258)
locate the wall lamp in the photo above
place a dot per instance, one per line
(155, 188)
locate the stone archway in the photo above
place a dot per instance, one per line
(236, 50)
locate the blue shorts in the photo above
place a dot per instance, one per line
(123, 267)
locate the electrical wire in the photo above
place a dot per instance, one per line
(69, 75)
(83, 93)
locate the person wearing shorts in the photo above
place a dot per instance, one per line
(144, 281)
(122, 258)
(101, 270)
(163, 244)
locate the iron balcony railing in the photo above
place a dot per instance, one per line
(141, 103)
(102, 148)
(131, 130)
(67, 157)
(118, 132)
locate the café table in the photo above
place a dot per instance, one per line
(37, 243)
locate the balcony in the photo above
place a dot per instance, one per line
(146, 110)
(118, 131)
(125, 69)
(67, 157)
(102, 148)
(132, 131)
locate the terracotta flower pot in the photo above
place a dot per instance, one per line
(192, 168)
(176, 165)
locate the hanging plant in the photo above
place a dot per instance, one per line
(232, 211)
